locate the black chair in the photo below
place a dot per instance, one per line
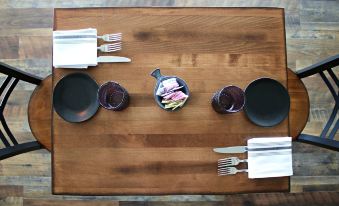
(326, 138)
(13, 76)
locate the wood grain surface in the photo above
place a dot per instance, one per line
(299, 104)
(145, 150)
(40, 115)
(311, 35)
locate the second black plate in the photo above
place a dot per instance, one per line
(267, 102)
(75, 97)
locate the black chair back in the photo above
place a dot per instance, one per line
(327, 136)
(11, 145)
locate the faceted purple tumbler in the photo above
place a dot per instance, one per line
(230, 99)
(113, 96)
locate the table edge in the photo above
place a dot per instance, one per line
(162, 7)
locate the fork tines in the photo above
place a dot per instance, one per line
(110, 47)
(230, 161)
(115, 37)
(224, 171)
(114, 46)
(111, 37)
(230, 171)
(226, 162)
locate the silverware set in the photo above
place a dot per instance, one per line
(224, 166)
(111, 38)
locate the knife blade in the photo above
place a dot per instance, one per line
(235, 149)
(107, 59)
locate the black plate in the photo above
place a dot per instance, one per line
(75, 97)
(267, 102)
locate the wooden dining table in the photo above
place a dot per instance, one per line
(144, 149)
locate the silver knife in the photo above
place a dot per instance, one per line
(107, 59)
(235, 149)
(242, 149)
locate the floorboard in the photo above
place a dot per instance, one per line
(312, 33)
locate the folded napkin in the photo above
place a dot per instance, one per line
(75, 48)
(269, 157)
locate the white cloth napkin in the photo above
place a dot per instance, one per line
(269, 157)
(75, 48)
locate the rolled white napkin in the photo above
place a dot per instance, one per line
(269, 157)
(75, 48)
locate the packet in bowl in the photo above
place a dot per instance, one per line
(170, 92)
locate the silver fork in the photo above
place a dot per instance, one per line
(111, 37)
(110, 47)
(230, 161)
(229, 171)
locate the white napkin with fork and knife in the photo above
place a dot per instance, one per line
(75, 48)
(267, 157)
(78, 48)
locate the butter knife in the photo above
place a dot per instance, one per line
(108, 59)
(242, 149)
(235, 149)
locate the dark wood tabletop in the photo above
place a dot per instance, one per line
(146, 150)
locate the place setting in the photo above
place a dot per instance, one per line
(77, 96)
(266, 103)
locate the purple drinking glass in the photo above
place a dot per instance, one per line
(230, 99)
(113, 96)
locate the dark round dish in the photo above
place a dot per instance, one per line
(267, 102)
(75, 97)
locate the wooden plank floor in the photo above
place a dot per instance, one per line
(312, 32)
